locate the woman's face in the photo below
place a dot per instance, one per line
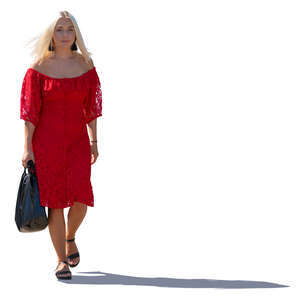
(64, 33)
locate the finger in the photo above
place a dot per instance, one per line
(95, 158)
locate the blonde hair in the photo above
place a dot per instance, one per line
(41, 47)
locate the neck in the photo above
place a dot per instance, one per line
(63, 53)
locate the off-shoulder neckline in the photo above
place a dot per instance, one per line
(60, 78)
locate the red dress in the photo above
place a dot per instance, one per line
(60, 109)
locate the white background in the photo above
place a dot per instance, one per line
(197, 183)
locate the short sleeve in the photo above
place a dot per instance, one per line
(93, 102)
(31, 100)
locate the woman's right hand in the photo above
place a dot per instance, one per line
(27, 155)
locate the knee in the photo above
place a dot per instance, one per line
(79, 205)
(55, 212)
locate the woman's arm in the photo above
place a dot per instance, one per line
(28, 153)
(29, 130)
(92, 128)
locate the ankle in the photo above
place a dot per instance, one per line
(61, 259)
(70, 236)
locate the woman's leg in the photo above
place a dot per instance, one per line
(76, 215)
(57, 229)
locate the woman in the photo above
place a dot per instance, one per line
(61, 94)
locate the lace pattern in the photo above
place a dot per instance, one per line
(93, 101)
(31, 98)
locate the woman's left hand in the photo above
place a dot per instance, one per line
(94, 152)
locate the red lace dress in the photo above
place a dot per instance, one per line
(60, 109)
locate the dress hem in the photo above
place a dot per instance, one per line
(57, 207)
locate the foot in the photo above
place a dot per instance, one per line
(71, 248)
(62, 266)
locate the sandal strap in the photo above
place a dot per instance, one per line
(63, 261)
(62, 272)
(71, 240)
(74, 255)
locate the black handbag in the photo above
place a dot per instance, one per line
(30, 216)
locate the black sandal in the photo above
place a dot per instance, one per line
(74, 255)
(57, 273)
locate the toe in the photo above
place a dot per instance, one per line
(73, 261)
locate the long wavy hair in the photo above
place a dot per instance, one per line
(41, 48)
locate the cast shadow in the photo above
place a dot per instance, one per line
(109, 278)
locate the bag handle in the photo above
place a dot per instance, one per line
(30, 167)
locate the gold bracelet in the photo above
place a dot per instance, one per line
(94, 141)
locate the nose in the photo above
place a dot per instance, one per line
(65, 36)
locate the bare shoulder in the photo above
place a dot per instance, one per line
(35, 66)
(40, 66)
(50, 65)
(86, 65)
